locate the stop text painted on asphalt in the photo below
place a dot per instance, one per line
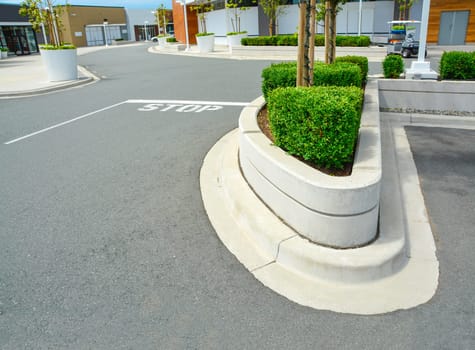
(183, 106)
(187, 108)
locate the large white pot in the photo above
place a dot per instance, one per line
(60, 64)
(4, 54)
(162, 41)
(235, 40)
(205, 43)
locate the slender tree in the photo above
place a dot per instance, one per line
(306, 48)
(202, 7)
(237, 7)
(273, 9)
(404, 8)
(47, 13)
(331, 10)
(161, 13)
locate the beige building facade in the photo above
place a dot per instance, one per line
(94, 25)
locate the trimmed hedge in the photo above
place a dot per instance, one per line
(319, 124)
(393, 66)
(285, 75)
(292, 40)
(361, 61)
(457, 65)
(337, 74)
(278, 75)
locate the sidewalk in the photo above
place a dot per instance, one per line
(22, 76)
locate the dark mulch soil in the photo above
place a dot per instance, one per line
(263, 121)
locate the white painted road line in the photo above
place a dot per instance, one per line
(63, 123)
(149, 105)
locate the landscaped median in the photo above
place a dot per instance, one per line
(336, 211)
(258, 199)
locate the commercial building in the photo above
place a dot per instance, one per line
(142, 24)
(451, 22)
(16, 32)
(94, 25)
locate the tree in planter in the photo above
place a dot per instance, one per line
(161, 13)
(306, 43)
(330, 8)
(59, 58)
(404, 8)
(237, 7)
(202, 7)
(273, 9)
(45, 12)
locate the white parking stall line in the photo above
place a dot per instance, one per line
(63, 123)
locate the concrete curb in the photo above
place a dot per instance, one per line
(87, 79)
(279, 53)
(286, 263)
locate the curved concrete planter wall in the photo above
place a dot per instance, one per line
(60, 64)
(333, 211)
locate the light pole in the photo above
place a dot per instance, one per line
(360, 13)
(420, 69)
(155, 13)
(105, 23)
(183, 2)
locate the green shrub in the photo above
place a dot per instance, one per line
(338, 74)
(204, 34)
(171, 40)
(287, 40)
(285, 75)
(292, 40)
(393, 66)
(236, 33)
(361, 61)
(457, 65)
(319, 124)
(278, 75)
(63, 46)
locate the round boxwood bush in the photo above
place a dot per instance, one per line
(393, 66)
(319, 124)
(457, 65)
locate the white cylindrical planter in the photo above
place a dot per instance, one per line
(162, 41)
(235, 40)
(60, 64)
(205, 43)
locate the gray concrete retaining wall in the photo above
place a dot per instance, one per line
(424, 96)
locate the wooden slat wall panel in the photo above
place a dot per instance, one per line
(437, 6)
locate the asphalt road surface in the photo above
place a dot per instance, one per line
(105, 243)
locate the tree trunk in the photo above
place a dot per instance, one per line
(301, 47)
(327, 30)
(330, 31)
(271, 26)
(311, 47)
(333, 34)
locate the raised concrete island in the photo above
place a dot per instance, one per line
(270, 213)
